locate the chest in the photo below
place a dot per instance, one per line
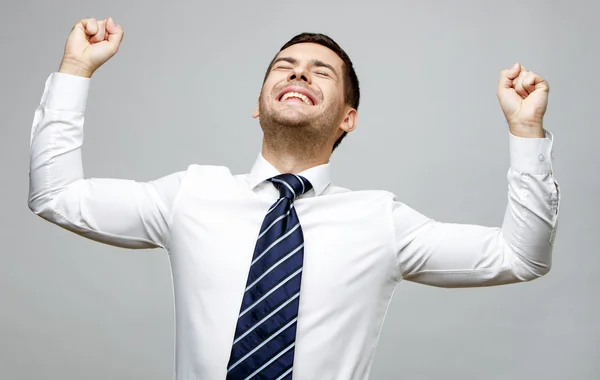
(348, 243)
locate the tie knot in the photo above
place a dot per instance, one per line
(291, 185)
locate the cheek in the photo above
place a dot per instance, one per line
(273, 80)
(332, 90)
(333, 96)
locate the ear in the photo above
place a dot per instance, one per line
(256, 112)
(348, 124)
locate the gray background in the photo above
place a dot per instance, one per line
(181, 90)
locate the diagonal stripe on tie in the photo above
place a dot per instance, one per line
(274, 289)
(264, 339)
(275, 222)
(283, 375)
(279, 240)
(274, 266)
(274, 335)
(295, 296)
(277, 356)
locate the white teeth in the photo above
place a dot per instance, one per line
(302, 97)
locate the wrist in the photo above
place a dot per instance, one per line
(68, 66)
(528, 131)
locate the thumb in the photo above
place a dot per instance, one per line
(115, 32)
(508, 75)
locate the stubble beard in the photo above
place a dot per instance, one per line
(292, 133)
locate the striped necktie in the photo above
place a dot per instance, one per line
(263, 345)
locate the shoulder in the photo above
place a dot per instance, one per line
(198, 169)
(212, 180)
(382, 195)
(192, 171)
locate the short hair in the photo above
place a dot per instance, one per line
(350, 79)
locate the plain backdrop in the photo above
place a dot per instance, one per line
(182, 89)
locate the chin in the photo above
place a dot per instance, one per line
(291, 117)
(291, 122)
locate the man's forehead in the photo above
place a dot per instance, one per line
(309, 51)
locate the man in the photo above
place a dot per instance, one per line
(278, 272)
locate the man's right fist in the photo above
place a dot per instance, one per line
(90, 44)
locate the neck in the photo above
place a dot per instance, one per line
(289, 159)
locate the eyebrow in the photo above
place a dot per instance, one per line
(314, 62)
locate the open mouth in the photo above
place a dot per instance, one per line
(297, 95)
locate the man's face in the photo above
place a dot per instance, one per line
(304, 88)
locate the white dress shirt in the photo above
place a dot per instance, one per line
(358, 244)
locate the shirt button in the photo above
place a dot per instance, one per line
(541, 157)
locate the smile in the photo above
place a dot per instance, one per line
(297, 94)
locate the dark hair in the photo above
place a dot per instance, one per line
(350, 80)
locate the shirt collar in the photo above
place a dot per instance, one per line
(319, 176)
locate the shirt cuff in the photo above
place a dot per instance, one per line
(66, 92)
(531, 155)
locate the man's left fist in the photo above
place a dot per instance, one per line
(523, 96)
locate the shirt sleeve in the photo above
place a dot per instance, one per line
(462, 255)
(117, 212)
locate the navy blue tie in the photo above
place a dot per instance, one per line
(265, 336)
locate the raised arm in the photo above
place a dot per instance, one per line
(118, 212)
(459, 255)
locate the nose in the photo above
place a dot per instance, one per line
(300, 73)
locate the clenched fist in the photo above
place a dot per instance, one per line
(91, 43)
(523, 96)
